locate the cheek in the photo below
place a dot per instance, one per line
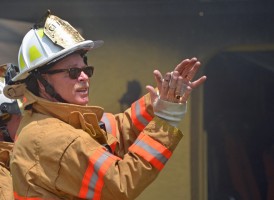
(63, 85)
(68, 91)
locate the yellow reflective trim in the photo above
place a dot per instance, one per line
(40, 32)
(22, 63)
(34, 53)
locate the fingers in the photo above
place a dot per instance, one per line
(191, 86)
(185, 96)
(181, 88)
(176, 86)
(198, 82)
(185, 66)
(153, 92)
(172, 87)
(191, 72)
(181, 66)
(165, 87)
(173, 84)
(158, 78)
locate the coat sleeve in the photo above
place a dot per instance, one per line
(89, 171)
(127, 126)
(6, 190)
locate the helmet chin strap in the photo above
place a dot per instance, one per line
(48, 88)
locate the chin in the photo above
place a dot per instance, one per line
(82, 102)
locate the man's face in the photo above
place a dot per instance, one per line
(74, 91)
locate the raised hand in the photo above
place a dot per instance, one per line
(176, 86)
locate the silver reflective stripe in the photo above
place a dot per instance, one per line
(152, 151)
(107, 123)
(139, 114)
(94, 177)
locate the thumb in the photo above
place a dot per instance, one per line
(153, 93)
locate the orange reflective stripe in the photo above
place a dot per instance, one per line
(140, 116)
(110, 122)
(17, 197)
(93, 179)
(113, 146)
(156, 145)
(144, 112)
(15, 138)
(100, 182)
(24, 100)
(151, 150)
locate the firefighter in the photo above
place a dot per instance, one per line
(9, 121)
(66, 149)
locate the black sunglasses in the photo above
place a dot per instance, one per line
(74, 73)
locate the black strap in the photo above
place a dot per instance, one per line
(48, 88)
(108, 148)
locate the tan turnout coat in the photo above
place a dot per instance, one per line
(6, 191)
(62, 153)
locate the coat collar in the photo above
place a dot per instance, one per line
(62, 111)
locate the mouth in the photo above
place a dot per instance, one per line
(82, 90)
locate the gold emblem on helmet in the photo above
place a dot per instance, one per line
(61, 32)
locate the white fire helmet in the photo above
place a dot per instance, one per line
(7, 106)
(45, 45)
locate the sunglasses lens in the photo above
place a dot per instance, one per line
(74, 73)
(88, 71)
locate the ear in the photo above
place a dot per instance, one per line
(41, 86)
(46, 92)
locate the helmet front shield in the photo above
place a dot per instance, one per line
(61, 32)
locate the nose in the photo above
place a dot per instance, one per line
(83, 77)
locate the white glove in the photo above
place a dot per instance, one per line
(173, 113)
